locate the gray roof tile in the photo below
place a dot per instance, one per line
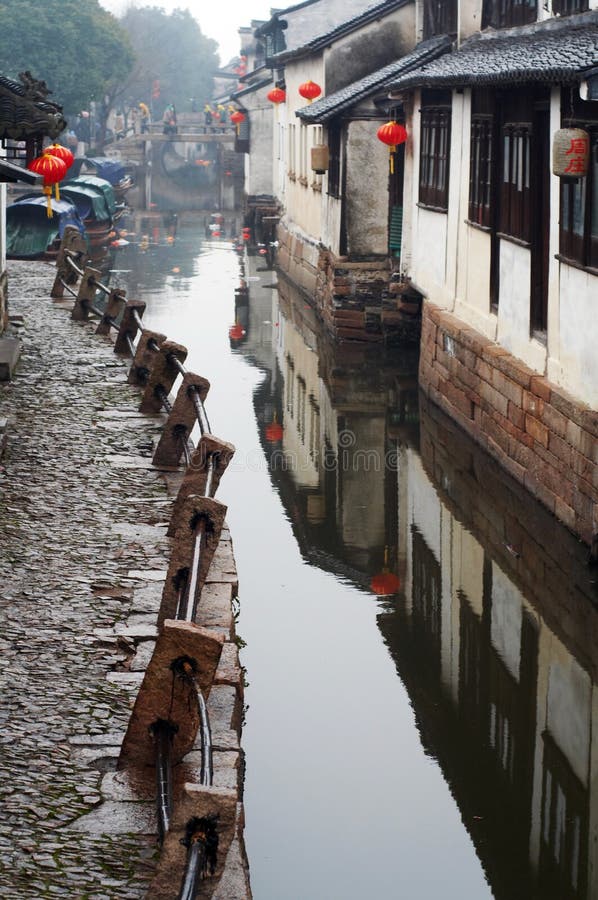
(558, 50)
(328, 107)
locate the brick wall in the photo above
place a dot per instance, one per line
(545, 562)
(539, 433)
(356, 300)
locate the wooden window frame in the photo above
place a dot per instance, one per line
(569, 7)
(508, 13)
(481, 165)
(580, 195)
(516, 182)
(440, 17)
(435, 157)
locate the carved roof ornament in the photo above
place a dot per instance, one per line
(34, 89)
(25, 111)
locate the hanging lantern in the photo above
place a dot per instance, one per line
(53, 170)
(276, 95)
(62, 153)
(310, 90)
(392, 134)
(274, 431)
(385, 582)
(236, 332)
(236, 118)
(570, 153)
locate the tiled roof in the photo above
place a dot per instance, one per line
(24, 111)
(306, 22)
(373, 11)
(328, 107)
(557, 51)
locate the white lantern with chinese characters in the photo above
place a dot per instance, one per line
(570, 153)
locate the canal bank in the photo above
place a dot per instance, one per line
(87, 589)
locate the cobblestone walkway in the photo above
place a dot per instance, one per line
(78, 519)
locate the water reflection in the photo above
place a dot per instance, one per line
(494, 633)
(493, 630)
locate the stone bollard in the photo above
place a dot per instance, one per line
(199, 806)
(73, 246)
(86, 294)
(145, 357)
(209, 448)
(128, 326)
(195, 512)
(114, 306)
(181, 421)
(165, 696)
(162, 375)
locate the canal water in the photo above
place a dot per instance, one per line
(420, 636)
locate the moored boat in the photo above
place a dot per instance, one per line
(31, 233)
(96, 205)
(111, 170)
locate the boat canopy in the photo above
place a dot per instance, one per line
(29, 229)
(94, 197)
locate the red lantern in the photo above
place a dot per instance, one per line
(236, 332)
(310, 90)
(53, 170)
(385, 582)
(392, 134)
(62, 153)
(274, 431)
(276, 95)
(236, 118)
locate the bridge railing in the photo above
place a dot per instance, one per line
(171, 706)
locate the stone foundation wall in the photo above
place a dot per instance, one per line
(541, 435)
(3, 301)
(356, 300)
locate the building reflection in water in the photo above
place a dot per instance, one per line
(494, 631)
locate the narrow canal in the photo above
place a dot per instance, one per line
(420, 636)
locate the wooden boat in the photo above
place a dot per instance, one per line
(31, 233)
(96, 205)
(111, 170)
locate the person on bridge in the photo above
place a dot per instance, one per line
(169, 119)
(144, 114)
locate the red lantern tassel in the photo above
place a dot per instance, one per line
(57, 187)
(392, 159)
(48, 192)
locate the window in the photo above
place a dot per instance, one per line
(481, 161)
(434, 154)
(506, 13)
(515, 219)
(292, 150)
(579, 197)
(334, 161)
(569, 7)
(303, 152)
(440, 17)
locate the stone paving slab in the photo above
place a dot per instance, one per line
(73, 528)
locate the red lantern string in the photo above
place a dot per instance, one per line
(310, 90)
(392, 134)
(53, 170)
(276, 95)
(65, 155)
(237, 117)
